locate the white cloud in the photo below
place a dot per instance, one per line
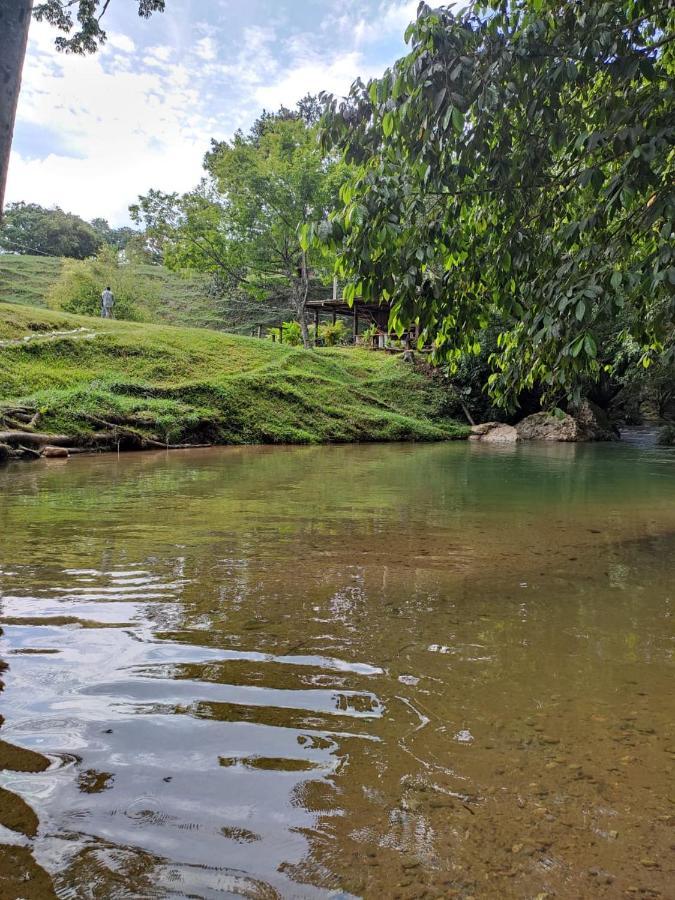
(127, 131)
(96, 131)
(314, 73)
(161, 53)
(120, 42)
(365, 24)
(206, 49)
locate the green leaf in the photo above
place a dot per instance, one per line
(580, 311)
(387, 124)
(577, 345)
(439, 98)
(616, 279)
(457, 119)
(590, 346)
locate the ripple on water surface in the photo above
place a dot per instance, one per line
(331, 671)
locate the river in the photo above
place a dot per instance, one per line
(351, 671)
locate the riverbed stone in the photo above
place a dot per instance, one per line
(544, 426)
(593, 422)
(584, 422)
(55, 452)
(499, 433)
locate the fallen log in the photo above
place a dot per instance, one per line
(30, 451)
(38, 438)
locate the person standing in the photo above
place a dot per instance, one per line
(107, 303)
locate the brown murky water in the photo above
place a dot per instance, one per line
(378, 671)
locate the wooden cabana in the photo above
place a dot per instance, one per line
(359, 312)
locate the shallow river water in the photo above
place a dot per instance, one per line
(370, 671)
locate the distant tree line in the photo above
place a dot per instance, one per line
(32, 229)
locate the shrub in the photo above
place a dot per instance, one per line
(292, 334)
(666, 436)
(79, 287)
(334, 334)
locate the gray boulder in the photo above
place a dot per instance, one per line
(494, 433)
(586, 422)
(543, 426)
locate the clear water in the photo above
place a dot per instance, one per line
(378, 671)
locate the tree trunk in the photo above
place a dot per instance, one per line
(301, 299)
(15, 18)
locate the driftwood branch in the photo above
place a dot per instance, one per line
(30, 451)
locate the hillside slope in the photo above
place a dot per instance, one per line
(177, 299)
(27, 279)
(130, 382)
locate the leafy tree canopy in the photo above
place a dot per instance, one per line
(114, 237)
(518, 163)
(84, 31)
(29, 228)
(243, 222)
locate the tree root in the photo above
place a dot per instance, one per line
(14, 437)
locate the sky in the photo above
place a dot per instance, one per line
(92, 133)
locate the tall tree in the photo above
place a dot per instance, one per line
(244, 221)
(519, 161)
(84, 37)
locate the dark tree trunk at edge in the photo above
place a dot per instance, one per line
(15, 18)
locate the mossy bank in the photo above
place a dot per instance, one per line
(105, 383)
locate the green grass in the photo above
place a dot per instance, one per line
(27, 279)
(196, 385)
(182, 299)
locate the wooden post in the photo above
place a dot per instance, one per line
(259, 331)
(281, 333)
(334, 317)
(316, 326)
(335, 288)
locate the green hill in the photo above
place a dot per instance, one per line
(181, 299)
(104, 382)
(27, 279)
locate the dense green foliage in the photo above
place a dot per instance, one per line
(30, 228)
(118, 238)
(78, 290)
(518, 163)
(242, 224)
(181, 384)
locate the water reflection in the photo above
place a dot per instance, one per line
(354, 670)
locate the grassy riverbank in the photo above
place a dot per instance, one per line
(180, 385)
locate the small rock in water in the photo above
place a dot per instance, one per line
(55, 452)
